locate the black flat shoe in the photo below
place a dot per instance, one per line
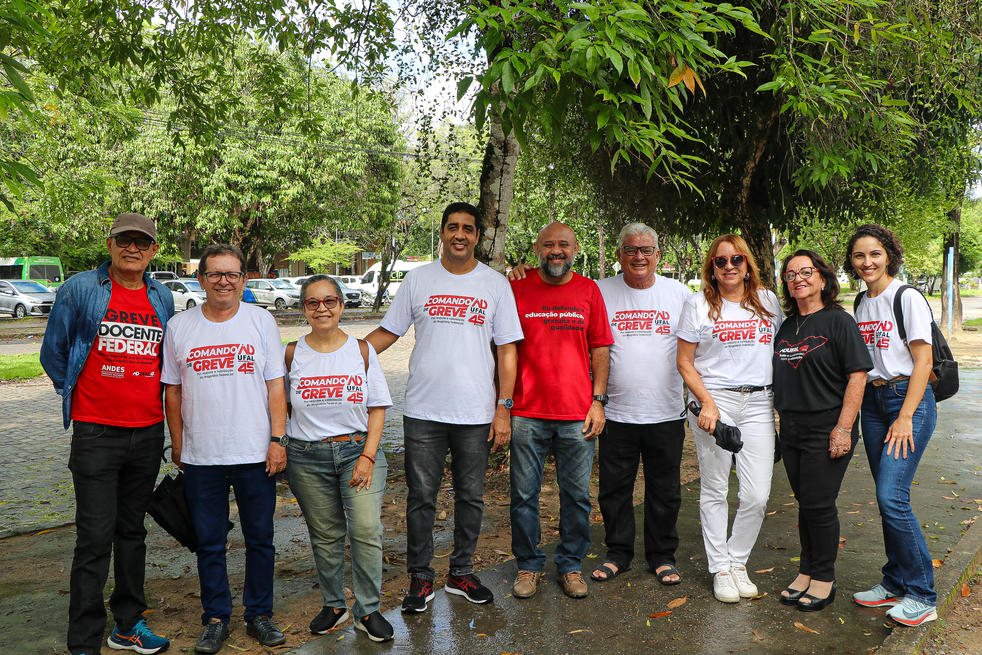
(792, 597)
(816, 604)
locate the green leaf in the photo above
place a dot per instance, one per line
(14, 76)
(507, 78)
(634, 71)
(462, 86)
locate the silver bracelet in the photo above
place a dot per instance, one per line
(844, 431)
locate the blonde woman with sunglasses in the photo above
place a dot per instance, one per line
(725, 345)
(338, 396)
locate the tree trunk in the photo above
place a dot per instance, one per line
(602, 254)
(497, 192)
(955, 216)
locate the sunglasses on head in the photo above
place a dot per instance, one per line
(735, 261)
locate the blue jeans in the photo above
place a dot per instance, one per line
(427, 443)
(908, 570)
(531, 439)
(255, 494)
(319, 473)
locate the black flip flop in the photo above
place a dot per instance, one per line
(662, 577)
(611, 573)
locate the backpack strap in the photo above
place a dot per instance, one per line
(858, 299)
(363, 347)
(898, 312)
(290, 349)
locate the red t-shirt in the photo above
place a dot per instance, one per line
(561, 324)
(120, 382)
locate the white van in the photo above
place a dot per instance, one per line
(369, 281)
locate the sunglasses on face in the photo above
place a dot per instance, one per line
(631, 251)
(214, 276)
(329, 302)
(141, 243)
(735, 261)
(805, 273)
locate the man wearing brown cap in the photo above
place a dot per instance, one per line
(102, 349)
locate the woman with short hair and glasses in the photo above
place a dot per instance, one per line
(724, 355)
(338, 395)
(820, 364)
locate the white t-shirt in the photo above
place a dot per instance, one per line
(644, 384)
(331, 393)
(456, 317)
(735, 350)
(222, 369)
(890, 355)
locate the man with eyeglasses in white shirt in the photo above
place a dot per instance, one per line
(226, 410)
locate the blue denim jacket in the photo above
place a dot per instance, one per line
(74, 322)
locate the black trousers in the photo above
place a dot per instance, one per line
(114, 470)
(659, 447)
(815, 479)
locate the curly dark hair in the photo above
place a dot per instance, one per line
(830, 292)
(891, 244)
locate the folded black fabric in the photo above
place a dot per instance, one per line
(727, 436)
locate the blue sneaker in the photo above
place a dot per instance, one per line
(139, 638)
(912, 612)
(878, 596)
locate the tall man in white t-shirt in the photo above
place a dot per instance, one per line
(645, 408)
(460, 309)
(226, 410)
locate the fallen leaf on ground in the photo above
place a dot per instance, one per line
(772, 513)
(679, 602)
(802, 626)
(573, 632)
(787, 504)
(937, 563)
(966, 590)
(593, 556)
(764, 570)
(757, 636)
(480, 634)
(758, 596)
(658, 615)
(948, 497)
(855, 511)
(38, 534)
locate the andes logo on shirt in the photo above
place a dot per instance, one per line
(876, 333)
(330, 389)
(456, 309)
(793, 353)
(637, 321)
(743, 333)
(226, 359)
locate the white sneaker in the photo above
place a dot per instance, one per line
(743, 584)
(724, 588)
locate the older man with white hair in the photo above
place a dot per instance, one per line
(645, 409)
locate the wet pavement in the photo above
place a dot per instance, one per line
(615, 618)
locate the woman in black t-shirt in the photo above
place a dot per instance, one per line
(820, 364)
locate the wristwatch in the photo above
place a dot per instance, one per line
(507, 402)
(601, 398)
(275, 439)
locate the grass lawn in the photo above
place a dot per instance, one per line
(20, 367)
(975, 322)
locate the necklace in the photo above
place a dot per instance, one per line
(797, 325)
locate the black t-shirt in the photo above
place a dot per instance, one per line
(812, 365)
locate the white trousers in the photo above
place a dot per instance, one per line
(753, 413)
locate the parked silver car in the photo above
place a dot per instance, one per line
(274, 292)
(23, 297)
(187, 292)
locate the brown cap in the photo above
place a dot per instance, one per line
(133, 223)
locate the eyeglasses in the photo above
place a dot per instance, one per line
(735, 261)
(328, 301)
(141, 243)
(805, 273)
(214, 276)
(631, 251)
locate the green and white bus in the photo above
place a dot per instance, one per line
(46, 270)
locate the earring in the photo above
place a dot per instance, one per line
(746, 276)
(823, 287)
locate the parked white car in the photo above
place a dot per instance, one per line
(187, 292)
(274, 292)
(369, 281)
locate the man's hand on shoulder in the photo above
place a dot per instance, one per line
(519, 272)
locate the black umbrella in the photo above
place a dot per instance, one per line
(727, 436)
(169, 508)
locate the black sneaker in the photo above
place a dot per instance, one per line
(263, 629)
(469, 587)
(327, 620)
(420, 593)
(376, 627)
(212, 638)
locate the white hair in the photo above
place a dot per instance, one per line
(636, 229)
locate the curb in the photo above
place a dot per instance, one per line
(960, 565)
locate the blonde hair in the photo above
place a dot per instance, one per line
(751, 285)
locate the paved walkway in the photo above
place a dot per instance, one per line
(615, 617)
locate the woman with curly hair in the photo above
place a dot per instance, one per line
(820, 364)
(898, 418)
(724, 355)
